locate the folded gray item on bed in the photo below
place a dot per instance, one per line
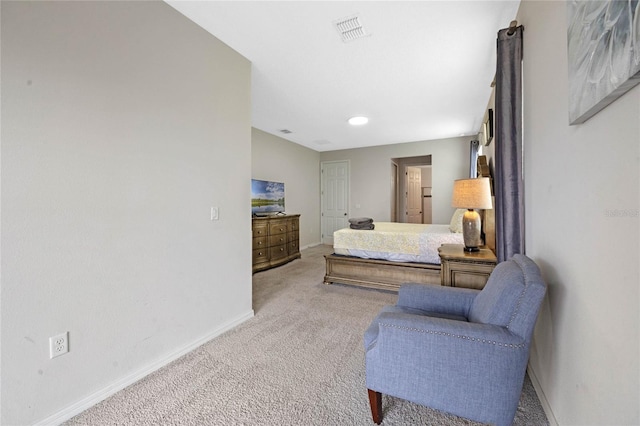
(360, 221)
(367, 226)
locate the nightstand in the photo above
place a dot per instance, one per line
(465, 269)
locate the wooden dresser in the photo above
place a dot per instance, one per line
(276, 240)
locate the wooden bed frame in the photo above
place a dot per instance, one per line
(387, 275)
(380, 274)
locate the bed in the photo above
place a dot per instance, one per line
(397, 242)
(393, 253)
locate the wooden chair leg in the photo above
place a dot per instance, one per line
(375, 400)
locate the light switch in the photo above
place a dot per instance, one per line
(214, 213)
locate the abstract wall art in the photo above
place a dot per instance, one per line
(603, 40)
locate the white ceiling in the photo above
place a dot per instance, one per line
(422, 73)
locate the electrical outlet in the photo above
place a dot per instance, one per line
(214, 213)
(59, 345)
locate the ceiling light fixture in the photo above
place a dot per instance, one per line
(358, 121)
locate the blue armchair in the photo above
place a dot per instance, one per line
(457, 350)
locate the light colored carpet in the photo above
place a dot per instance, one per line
(299, 361)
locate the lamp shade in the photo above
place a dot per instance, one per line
(471, 194)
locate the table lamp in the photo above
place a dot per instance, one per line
(471, 194)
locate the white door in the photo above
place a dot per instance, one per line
(414, 195)
(335, 198)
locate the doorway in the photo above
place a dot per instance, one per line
(411, 194)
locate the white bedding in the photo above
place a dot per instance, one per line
(397, 242)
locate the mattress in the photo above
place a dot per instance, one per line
(397, 242)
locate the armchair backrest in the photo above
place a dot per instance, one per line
(512, 296)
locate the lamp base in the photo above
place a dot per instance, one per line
(471, 230)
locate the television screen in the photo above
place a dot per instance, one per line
(266, 197)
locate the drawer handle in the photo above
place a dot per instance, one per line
(281, 249)
(259, 243)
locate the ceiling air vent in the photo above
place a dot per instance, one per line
(350, 28)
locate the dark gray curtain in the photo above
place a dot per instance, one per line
(509, 182)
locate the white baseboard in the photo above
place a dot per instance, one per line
(542, 397)
(310, 245)
(91, 400)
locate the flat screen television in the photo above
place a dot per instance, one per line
(267, 197)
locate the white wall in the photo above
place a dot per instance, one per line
(582, 202)
(122, 124)
(425, 176)
(274, 158)
(371, 174)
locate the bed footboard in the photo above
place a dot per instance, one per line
(380, 274)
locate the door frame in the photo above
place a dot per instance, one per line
(402, 163)
(394, 191)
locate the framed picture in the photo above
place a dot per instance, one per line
(603, 43)
(486, 130)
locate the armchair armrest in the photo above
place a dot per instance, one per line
(420, 327)
(433, 298)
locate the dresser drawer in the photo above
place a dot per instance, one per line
(293, 247)
(260, 230)
(276, 240)
(293, 236)
(278, 252)
(260, 243)
(260, 256)
(279, 227)
(293, 225)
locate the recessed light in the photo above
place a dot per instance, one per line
(358, 121)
